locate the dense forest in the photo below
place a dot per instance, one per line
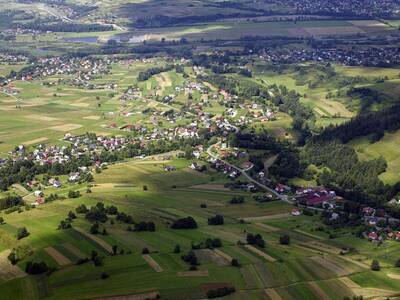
(371, 123)
(347, 175)
(64, 27)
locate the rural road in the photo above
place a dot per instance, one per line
(243, 172)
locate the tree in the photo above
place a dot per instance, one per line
(94, 229)
(184, 223)
(375, 266)
(255, 239)
(114, 249)
(284, 239)
(71, 215)
(235, 262)
(145, 251)
(397, 264)
(22, 232)
(12, 257)
(74, 194)
(36, 267)
(177, 248)
(1, 221)
(64, 225)
(217, 220)
(81, 209)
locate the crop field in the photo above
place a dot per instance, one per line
(310, 265)
(228, 30)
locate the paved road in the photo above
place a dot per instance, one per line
(243, 172)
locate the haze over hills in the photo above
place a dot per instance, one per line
(199, 149)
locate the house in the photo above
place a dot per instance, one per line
(56, 184)
(368, 211)
(372, 221)
(74, 177)
(373, 236)
(281, 188)
(169, 168)
(315, 197)
(38, 193)
(194, 166)
(296, 212)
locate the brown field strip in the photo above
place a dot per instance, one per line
(394, 276)
(71, 248)
(227, 257)
(212, 256)
(66, 127)
(144, 296)
(369, 293)
(7, 270)
(97, 240)
(94, 118)
(152, 263)
(199, 273)
(349, 283)
(273, 294)
(334, 268)
(267, 228)
(58, 257)
(41, 118)
(309, 234)
(320, 293)
(265, 218)
(35, 141)
(260, 253)
(321, 247)
(212, 187)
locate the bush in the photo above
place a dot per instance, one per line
(104, 275)
(190, 258)
(94, 229)
(237, 200)
(74, 194)
(177, 249)
(145, 251)
(13, 258)
(145, 226)
(71, 215)
(22, 232)
(220, 292)
(375, 266)
(235, 263)
(81, 209)
(82, 261)
(217, 220)
(397, 264)
(64, 225)
(255, 239)
(34, 268)
(213, 243)
(284, 239)
(184, 223)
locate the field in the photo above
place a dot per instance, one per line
(387, 148)
(310, 266)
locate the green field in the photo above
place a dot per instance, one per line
(311, 260)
